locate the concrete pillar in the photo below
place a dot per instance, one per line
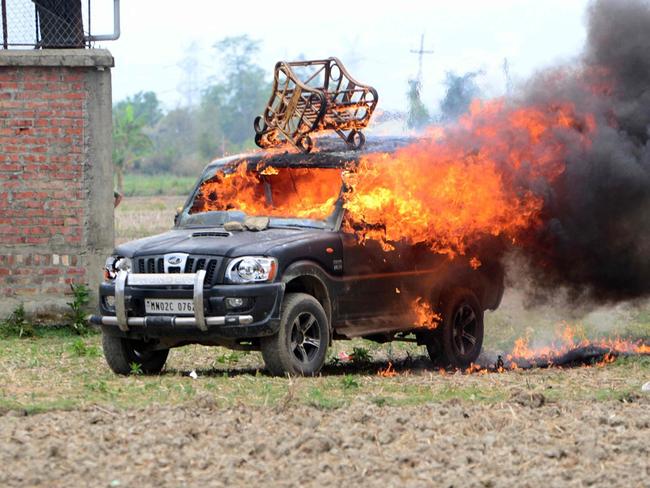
(56, 176)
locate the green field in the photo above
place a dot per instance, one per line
(154, 185)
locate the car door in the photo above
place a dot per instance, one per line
(371, 280)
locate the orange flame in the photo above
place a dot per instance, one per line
(389, 372)
(291, 192)
(425, 317)
(448, 190)
(459, 184)
(570, 337)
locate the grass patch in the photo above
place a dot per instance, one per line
(61, 370)
(80, 348)
(78, 308)
(16, 325)
(156, 185)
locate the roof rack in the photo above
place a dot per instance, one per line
(312, 96)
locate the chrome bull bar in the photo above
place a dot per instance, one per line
(197, 280)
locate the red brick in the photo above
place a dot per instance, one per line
(75, 96)
(10, 167)
(30, 195)
(12, 239)
(36, 240)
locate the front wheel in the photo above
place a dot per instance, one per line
(125, 356)
(300, 346)
(458, 340)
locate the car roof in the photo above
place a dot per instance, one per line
(332, 152)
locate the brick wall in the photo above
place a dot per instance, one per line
(55, 180)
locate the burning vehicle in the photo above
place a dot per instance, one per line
(264, 256)
(287, 249)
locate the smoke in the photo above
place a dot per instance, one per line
(596, 240)
(461, 90)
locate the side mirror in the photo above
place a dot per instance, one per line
(177, 216)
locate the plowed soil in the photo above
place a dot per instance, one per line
(524, 441)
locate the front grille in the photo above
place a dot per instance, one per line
(150, 265)
(156, 264)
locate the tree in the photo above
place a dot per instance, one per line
(146, 107)
(418, 115)
(129, 140)
(174, 142)
(239, 95)
(182, 140)
(461, 90)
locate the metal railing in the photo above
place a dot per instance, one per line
(51, 24)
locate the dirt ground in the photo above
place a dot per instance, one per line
(524, 441)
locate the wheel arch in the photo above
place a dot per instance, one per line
(308, 277)
(488, 288)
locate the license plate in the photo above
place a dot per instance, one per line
(169, 306)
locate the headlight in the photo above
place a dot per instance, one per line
(251, 269)
(114, 264)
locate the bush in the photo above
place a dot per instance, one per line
(360, 355)
(77, 315)
(16, 325)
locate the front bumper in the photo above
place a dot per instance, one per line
(211, 319)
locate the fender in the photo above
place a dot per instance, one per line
(313, 270)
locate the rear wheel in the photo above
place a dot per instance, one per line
(300, 346)
(125, 356)
(458, 340)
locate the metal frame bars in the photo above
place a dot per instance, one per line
(325, 97)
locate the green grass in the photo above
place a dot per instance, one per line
(162, 184)
(58, 369)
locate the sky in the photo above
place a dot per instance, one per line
(373, 39)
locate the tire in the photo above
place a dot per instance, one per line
(300, 346)
(121, 353)
(459, 338)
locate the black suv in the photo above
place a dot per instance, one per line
(285, 285)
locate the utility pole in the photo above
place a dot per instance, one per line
(420, 52)
(506, 74)
(189, 86)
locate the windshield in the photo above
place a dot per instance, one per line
(295, 196)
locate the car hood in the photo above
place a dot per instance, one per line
(214, 241)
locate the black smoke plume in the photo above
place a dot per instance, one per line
(596, 240)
